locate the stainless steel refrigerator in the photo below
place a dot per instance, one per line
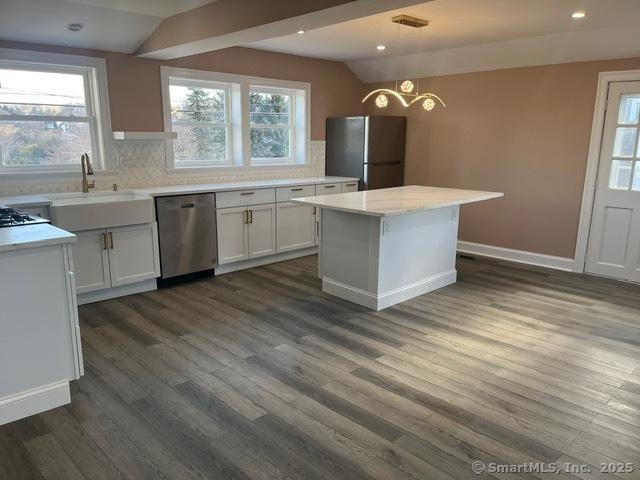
(369, 147)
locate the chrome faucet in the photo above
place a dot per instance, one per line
(86, 170)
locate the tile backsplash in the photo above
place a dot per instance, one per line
(143, 164)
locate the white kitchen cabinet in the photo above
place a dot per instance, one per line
(91, 260)
(133, 253)
(295, 227)
(112, 257)
(262, 230)
(246, 232)
(40, 343)
(233, 241)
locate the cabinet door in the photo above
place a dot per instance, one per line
(295, 226)
(133, 253)
(91, 261)
(262, 230)
(233, 245)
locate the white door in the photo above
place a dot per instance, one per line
(614, 237)
(295, 226)
(133, 253)
(233, 244)
(262, 230)
(91, 261)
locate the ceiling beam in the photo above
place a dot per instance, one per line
(227, 23)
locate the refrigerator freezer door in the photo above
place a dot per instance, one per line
(345, 146)
(383, 175)
(385, 139)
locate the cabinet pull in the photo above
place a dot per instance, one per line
(104, 241)
(250, 216)
(297, 189)
(351, 184)
(110, 240)
(245, 216)
(247, 193)
(317, 229)
(188, 205)
(329, 186)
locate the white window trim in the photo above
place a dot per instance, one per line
(240, 127)
(292, 127)
(97, 97)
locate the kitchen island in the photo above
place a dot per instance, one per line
(382, 247)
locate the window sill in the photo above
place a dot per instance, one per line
(186, 171)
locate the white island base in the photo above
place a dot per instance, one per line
(380, 261)
(382, 247)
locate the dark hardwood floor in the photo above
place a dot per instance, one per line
(259, 375)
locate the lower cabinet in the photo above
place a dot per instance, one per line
(246, 232)
(116, 256)
(295, 226)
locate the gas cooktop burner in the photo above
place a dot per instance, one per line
(10, 218)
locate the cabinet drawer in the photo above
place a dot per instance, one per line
(349, 187)
(284, 194)
(328, 188)
(239, 198)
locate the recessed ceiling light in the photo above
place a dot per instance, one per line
(75, 27)
(300, 32)
(579, 14)
(381, 47)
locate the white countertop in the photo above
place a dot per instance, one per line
(397, 201)
(45, 199)
(166, 190)
(30, 236)
(22, 200)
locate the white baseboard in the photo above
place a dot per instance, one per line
(115, 292)
(257, 262)
(520, 256)
(387, 299)
(34, 401)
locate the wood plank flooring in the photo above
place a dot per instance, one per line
(258, 375)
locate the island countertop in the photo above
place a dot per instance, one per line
(398, 200)
(31, 236)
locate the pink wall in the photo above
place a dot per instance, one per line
(136, 100)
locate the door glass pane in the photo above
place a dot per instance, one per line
(636, 177)
(629, 109)
(620, 174)
(625, 142)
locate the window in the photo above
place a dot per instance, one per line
(199, 115)
(49, 114)
(271, 120)
(234, 121)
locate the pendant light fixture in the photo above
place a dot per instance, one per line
(408, 93)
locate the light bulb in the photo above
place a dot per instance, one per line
(578, 14)
(382, 101)
(407, 86)
(428, 104)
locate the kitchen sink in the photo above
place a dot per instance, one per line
(86, 211)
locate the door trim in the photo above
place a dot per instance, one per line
(593, 160)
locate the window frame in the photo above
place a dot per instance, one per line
(239, 120)
(98, 116)
(291, 126)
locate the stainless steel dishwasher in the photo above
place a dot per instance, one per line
(187, 232)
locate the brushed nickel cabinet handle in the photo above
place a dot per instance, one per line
(247, 193)
(297, 189)
(317, 229)
(104, 241)
(351, 184)
(250, 216)
(329, 186)
(110, 240)
(245, 216)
